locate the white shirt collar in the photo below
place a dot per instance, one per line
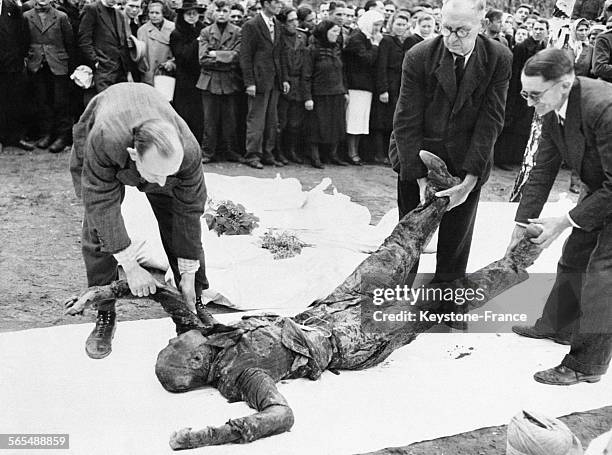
(561, 113)
(467, 57)
(269, 20)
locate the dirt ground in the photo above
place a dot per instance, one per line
(41, 265)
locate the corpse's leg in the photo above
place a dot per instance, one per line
(274, 416)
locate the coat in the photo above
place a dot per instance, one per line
(263, 62)
(295, 49)
(101, 167)
(13, 38)
(584, 145)
(157, 42)
(53, 41)
(322, 73)
(360, 62)
(102, 46)
(388, 79)
(220, 75)
(588, 9)
(602, 56)
(461, 124)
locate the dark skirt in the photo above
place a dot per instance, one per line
(188, 104)
(326, 123)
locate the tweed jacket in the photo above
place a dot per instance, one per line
(220, 74)
(101, 167)
(52, 42)
(459, 124)
(585, 144)
(262, 61)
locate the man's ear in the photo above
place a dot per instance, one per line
(133, 153)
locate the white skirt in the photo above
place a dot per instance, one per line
(358, 112)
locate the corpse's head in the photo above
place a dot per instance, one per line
(185, 363)
(157, 152)
(547, 80)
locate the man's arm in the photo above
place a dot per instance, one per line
(274, 416)
(408, 120)
(247, 49)
(490, 118)
(541, 178)
(601, 59)
(591, 212)
(86, 31)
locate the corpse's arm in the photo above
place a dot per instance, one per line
(274, 416)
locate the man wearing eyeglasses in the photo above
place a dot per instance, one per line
(577, 129)
(452, 104)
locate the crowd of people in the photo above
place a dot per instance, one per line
(258, 82)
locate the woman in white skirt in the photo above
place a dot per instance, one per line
(360, 56)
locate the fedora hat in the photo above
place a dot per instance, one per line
(137, 51)
(191, 4)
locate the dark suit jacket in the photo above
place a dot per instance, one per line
(459, 125)
(100, 167)
(261, 60)
(602, 56)
(585, 144)
(54, 41)
(102, 43)
(220, 74)
(13, 38)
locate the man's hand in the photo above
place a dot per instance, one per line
(286, 87)
(459, 193)
(517, 236)
(140, 281)
(188, 290)
(309, 105)
(251, 90)
(551, 229)
(422, 186)
(384, 97)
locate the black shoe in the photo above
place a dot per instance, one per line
(58, 145)
(271, 162)
(355, 160)
(206, 159)
(255, 164)
(562, 375)
(530, 332)
(296, 159)
(25, 145)
(281, 159)
(99, 342)
(44, 142)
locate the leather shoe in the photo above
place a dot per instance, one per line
(281, 158)
(58, 145)
(99, 342)
(234, 157)
(25, 145)
(255, 164)
(355, 160)
(530, 332)
(44, 142)
(562, 375)
(271, 162)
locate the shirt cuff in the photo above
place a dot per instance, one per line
(569, 218)
(518, 223)
(188, 265)
(126, 256)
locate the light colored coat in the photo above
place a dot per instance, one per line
(157, 44)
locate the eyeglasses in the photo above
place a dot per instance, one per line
(537, 96)
(460, 32)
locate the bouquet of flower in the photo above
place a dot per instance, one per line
(282, 245)
(228, 218)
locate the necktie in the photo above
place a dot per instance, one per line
(271, 27)
(459, 68)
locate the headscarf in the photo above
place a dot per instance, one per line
(320, 33)
(366, 21)
(575, 45)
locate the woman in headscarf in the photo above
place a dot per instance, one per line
(360, 55)
(582, 50)
(184, 46)
(156, 36)
(388, 80)
(325, 93)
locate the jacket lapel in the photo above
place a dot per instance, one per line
(573, 138)
(105, 18)
(36, 21)
(472, 77)
(52, 17)
(264, 27)
(445, 73)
